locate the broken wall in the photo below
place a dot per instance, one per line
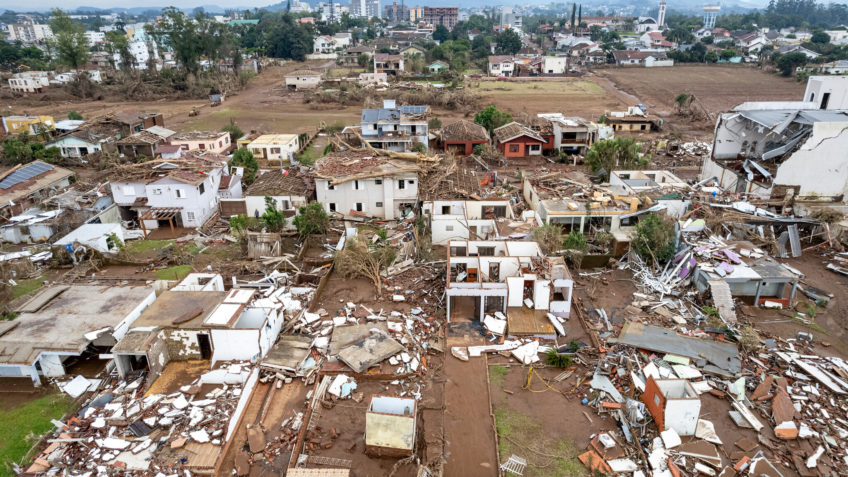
(820, 165)
(182, 345)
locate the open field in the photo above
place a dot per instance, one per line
(573, 97)
(718, 88)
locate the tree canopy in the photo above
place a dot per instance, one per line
(492, 118)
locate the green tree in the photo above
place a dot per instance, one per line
(575, 240)
(311, 219)
(234, 130)
(618, 153)
(655, 238)
(492, 118)
(549, 238)
(244, 158)
(788, 63)
(573, 15)
(273, 217)
(728, 54)
(74, 115)
(69, 42)
(282, 37)
(820, 37)
(507, 42)
(441, 33)
(117, 43)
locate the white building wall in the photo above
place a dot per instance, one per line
(820, 165)
(125, 193)
(682, 415)
(377, 200)
(835, 86)
(229, 344)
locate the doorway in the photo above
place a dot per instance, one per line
(205, 345)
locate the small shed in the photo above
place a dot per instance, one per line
(437, 67)
(674, 403)
(390, 426)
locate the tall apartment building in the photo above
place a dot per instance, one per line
(447, 16)
(415, 14)
(396, 12)
(365, 8)
(29, 32)
(511, 17)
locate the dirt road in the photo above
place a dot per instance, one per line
(469, 428)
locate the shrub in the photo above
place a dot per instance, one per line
(558, 360)
(575, 240)
(655, 237)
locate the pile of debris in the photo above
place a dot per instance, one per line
(121, 427)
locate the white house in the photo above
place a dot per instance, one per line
(183, 194)
(838, 67)
(289, 189)
(557, 65)
(465, 219)
(303, 79)
(828, 92)
(217, 142)
(76, 145)
(323, 44)
(342, 39)
(391, 192)
(29, 81)
(501, 65)
(508, 278)
(279, 147)
(95, 38)
(396, 128)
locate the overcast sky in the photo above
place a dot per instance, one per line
(18, 5)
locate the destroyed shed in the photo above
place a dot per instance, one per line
(390, 426)
(673, 403)
(66, 324)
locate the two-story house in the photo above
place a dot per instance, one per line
(395, 128)
(507, 278)
(358, 183)
(389, 64)
(465, 219)
(213, 141)
(323, 44)
(501, 65)
(275, 147)
(571, 135)
(183, 193)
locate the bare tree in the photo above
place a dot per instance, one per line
(363, 258)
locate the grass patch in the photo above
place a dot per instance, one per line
(20, 425)
(174, 273)
(496, 375)
(26, 286)
(138, 247)
(524, 436)
(559, 88)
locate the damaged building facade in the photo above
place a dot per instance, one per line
(505, 277)
(465, 219)
(777, 150)
(68, 323)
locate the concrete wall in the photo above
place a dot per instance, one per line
(234, 345)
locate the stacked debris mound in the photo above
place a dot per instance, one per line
(125, 429)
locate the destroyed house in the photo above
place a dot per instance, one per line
(145, 142)
(673, 403)
(25, 186)
(507, 278)
(289, 189)
(395, 128)
(632, 120)
(175, 193)
(388, 63)
(184, 324)
(758, 281)
(571, 135)
(67, 324)
(574, 206)
(466, 219)
(638, 182)
(132, 122)
(358, 183)
(461, 137)
(775, 150)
